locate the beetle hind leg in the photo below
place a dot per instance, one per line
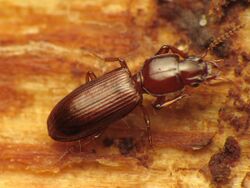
(147, 122)
(90, 139)
(87, 141)
(90, 76)
(120, 60)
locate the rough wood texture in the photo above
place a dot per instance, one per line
(44, 54)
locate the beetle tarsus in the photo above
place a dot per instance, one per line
(87, 142)
(120, 60)
(90, 76)
(162, 102)
(147, 122)
(214, 80)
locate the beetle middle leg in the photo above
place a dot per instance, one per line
(165, 49)
(90, 76)
(161, 102)
(147, 122)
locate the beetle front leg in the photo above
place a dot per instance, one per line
(120, 60)
(147, 122)
(90, 76)
(165, 49)
(161, 102)
(215, 79)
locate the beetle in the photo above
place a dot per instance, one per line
(88, 110)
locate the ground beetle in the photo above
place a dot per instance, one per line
(88, 110)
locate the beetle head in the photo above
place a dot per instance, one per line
(194, 70)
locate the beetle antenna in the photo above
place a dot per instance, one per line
(88, 52)
(229, 31)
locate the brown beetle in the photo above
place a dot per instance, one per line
(88, 110)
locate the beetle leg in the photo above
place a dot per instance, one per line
(90, 76)
(213, 80)
(162, 102)
(165, 49)
(120, 60)
(158, 102)
(88, 141)
(147, 122)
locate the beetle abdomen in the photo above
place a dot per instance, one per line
(91, 107)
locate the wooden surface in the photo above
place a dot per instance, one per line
(45, 53)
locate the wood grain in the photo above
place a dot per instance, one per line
(46, 48)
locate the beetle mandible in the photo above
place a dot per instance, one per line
(88, 110)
